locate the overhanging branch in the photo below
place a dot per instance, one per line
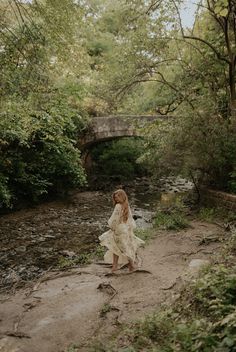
(219, 56)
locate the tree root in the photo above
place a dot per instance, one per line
(129, 273)
(18, 334)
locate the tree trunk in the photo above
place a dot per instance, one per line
(232, 92)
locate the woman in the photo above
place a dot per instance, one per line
(120, 240)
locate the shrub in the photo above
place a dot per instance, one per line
(203, 319)
(38, 152)
(172, 217)
(118, 159)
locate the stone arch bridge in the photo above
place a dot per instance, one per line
(105, 128)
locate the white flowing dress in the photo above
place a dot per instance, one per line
(120, 239)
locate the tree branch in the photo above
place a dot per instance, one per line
(219, 56)
(154, 5)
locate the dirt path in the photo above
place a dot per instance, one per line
(84, 305)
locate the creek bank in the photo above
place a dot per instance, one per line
(86, 305)
(38, 239)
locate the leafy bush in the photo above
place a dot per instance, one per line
(173, 221)
(38, 152)
(203, 319)
(5, 195)
(200, 145)
(40, 111)
(118, 159)
(172, 217)
(72, 348)
(207, 214)
(232, 182)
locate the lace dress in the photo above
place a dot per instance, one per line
(120, 239)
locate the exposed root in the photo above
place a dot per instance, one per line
(18, 334)
(129, 273)
(107, 288)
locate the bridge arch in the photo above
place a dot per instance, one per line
(104, 128)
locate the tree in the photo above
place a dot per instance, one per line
(223, 14)
(156, 66)
(42, 61)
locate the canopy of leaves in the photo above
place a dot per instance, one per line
(157, 66)
(42, 62)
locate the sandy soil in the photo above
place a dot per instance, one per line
(84, 305)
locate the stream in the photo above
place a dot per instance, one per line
(32, 240)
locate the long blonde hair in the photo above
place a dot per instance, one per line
(121, 197)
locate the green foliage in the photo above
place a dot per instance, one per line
(41, 102)
(231, 245)
(232, 182)
(145, 234)
(38, 149)
(168, 74)
(118, 159)
(106, 308)
(172, 217)
(72, 348)
(215, 293)
(217, 213)
(207, 214)
(170, 221)
(202, 319)
(81, 259)
(99, 252)
(201, 146)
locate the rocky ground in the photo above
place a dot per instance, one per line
(36, 239)
(84, 305)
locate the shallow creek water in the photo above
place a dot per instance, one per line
(32, 240)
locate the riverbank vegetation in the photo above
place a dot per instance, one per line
(41, 99)
(116, 161)
(202, 318)
(156, 65)
(62, 64)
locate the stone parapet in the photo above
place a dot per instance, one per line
(104, 128)
(219, 199)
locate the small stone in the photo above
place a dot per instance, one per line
(197, 264)
(68, 253)
(49, 236)
(21, 249)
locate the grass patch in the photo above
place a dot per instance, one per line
(172, 217)
(106, 308)
(216, 213)
(203, 319)
(207, 214)
(174, 221)
(145, 234)
(72, 348)
(81, 259)
(67, 262)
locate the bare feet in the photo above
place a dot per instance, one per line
(114, 268)
(115, 263)
(132, 266)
